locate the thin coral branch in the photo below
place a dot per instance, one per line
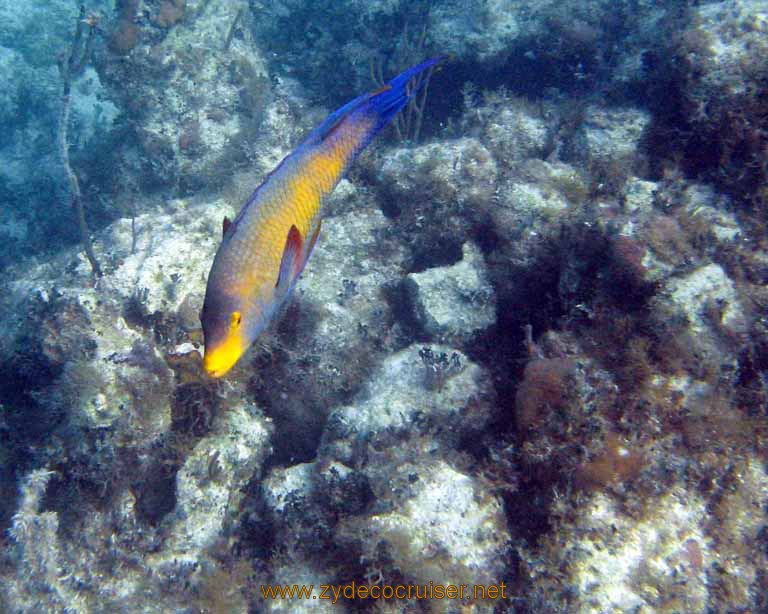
(69, 68)
(420, 104)
(377, 76)
(407, 124)
(232, 28)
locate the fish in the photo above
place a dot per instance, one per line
(266, 247)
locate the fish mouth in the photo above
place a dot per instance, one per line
(219, 360)
(215, 373)
(212, 369)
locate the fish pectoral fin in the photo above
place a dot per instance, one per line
(291, 264)
(225, 224)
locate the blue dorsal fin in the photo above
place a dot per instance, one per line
(381, 105)
(324, 129)
(291, 264)
(335, 120)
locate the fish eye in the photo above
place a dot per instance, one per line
(235, 320)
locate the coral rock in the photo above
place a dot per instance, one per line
(454, 303)
(453, 530)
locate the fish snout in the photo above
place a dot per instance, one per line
(217, 361)
(222, 354)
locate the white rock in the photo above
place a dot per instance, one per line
(735, 37)
(614, 134)
(171, 256)
(453, 530)
(400, 392)
(515, 132)
(209, 483)
(703, 202)
(454, 303)
(625, 565)
(639, 195)
(533, 199)
(303, 573)
(691, 294)
(284, 484)
(485, 30)
(462, 170)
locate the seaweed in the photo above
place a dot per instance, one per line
(438, 368)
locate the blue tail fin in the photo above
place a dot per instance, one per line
(384, 103)
(395, 95)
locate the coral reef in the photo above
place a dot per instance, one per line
(530, 348)
(32, 176)
(210, 105)
(209, 481)
(453, 303)
(40, 583)
(716, 122)
(451, 528)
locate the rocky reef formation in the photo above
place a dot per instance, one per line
(529, 349)
(715, 115)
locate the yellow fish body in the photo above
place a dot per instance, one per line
(265, 248)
